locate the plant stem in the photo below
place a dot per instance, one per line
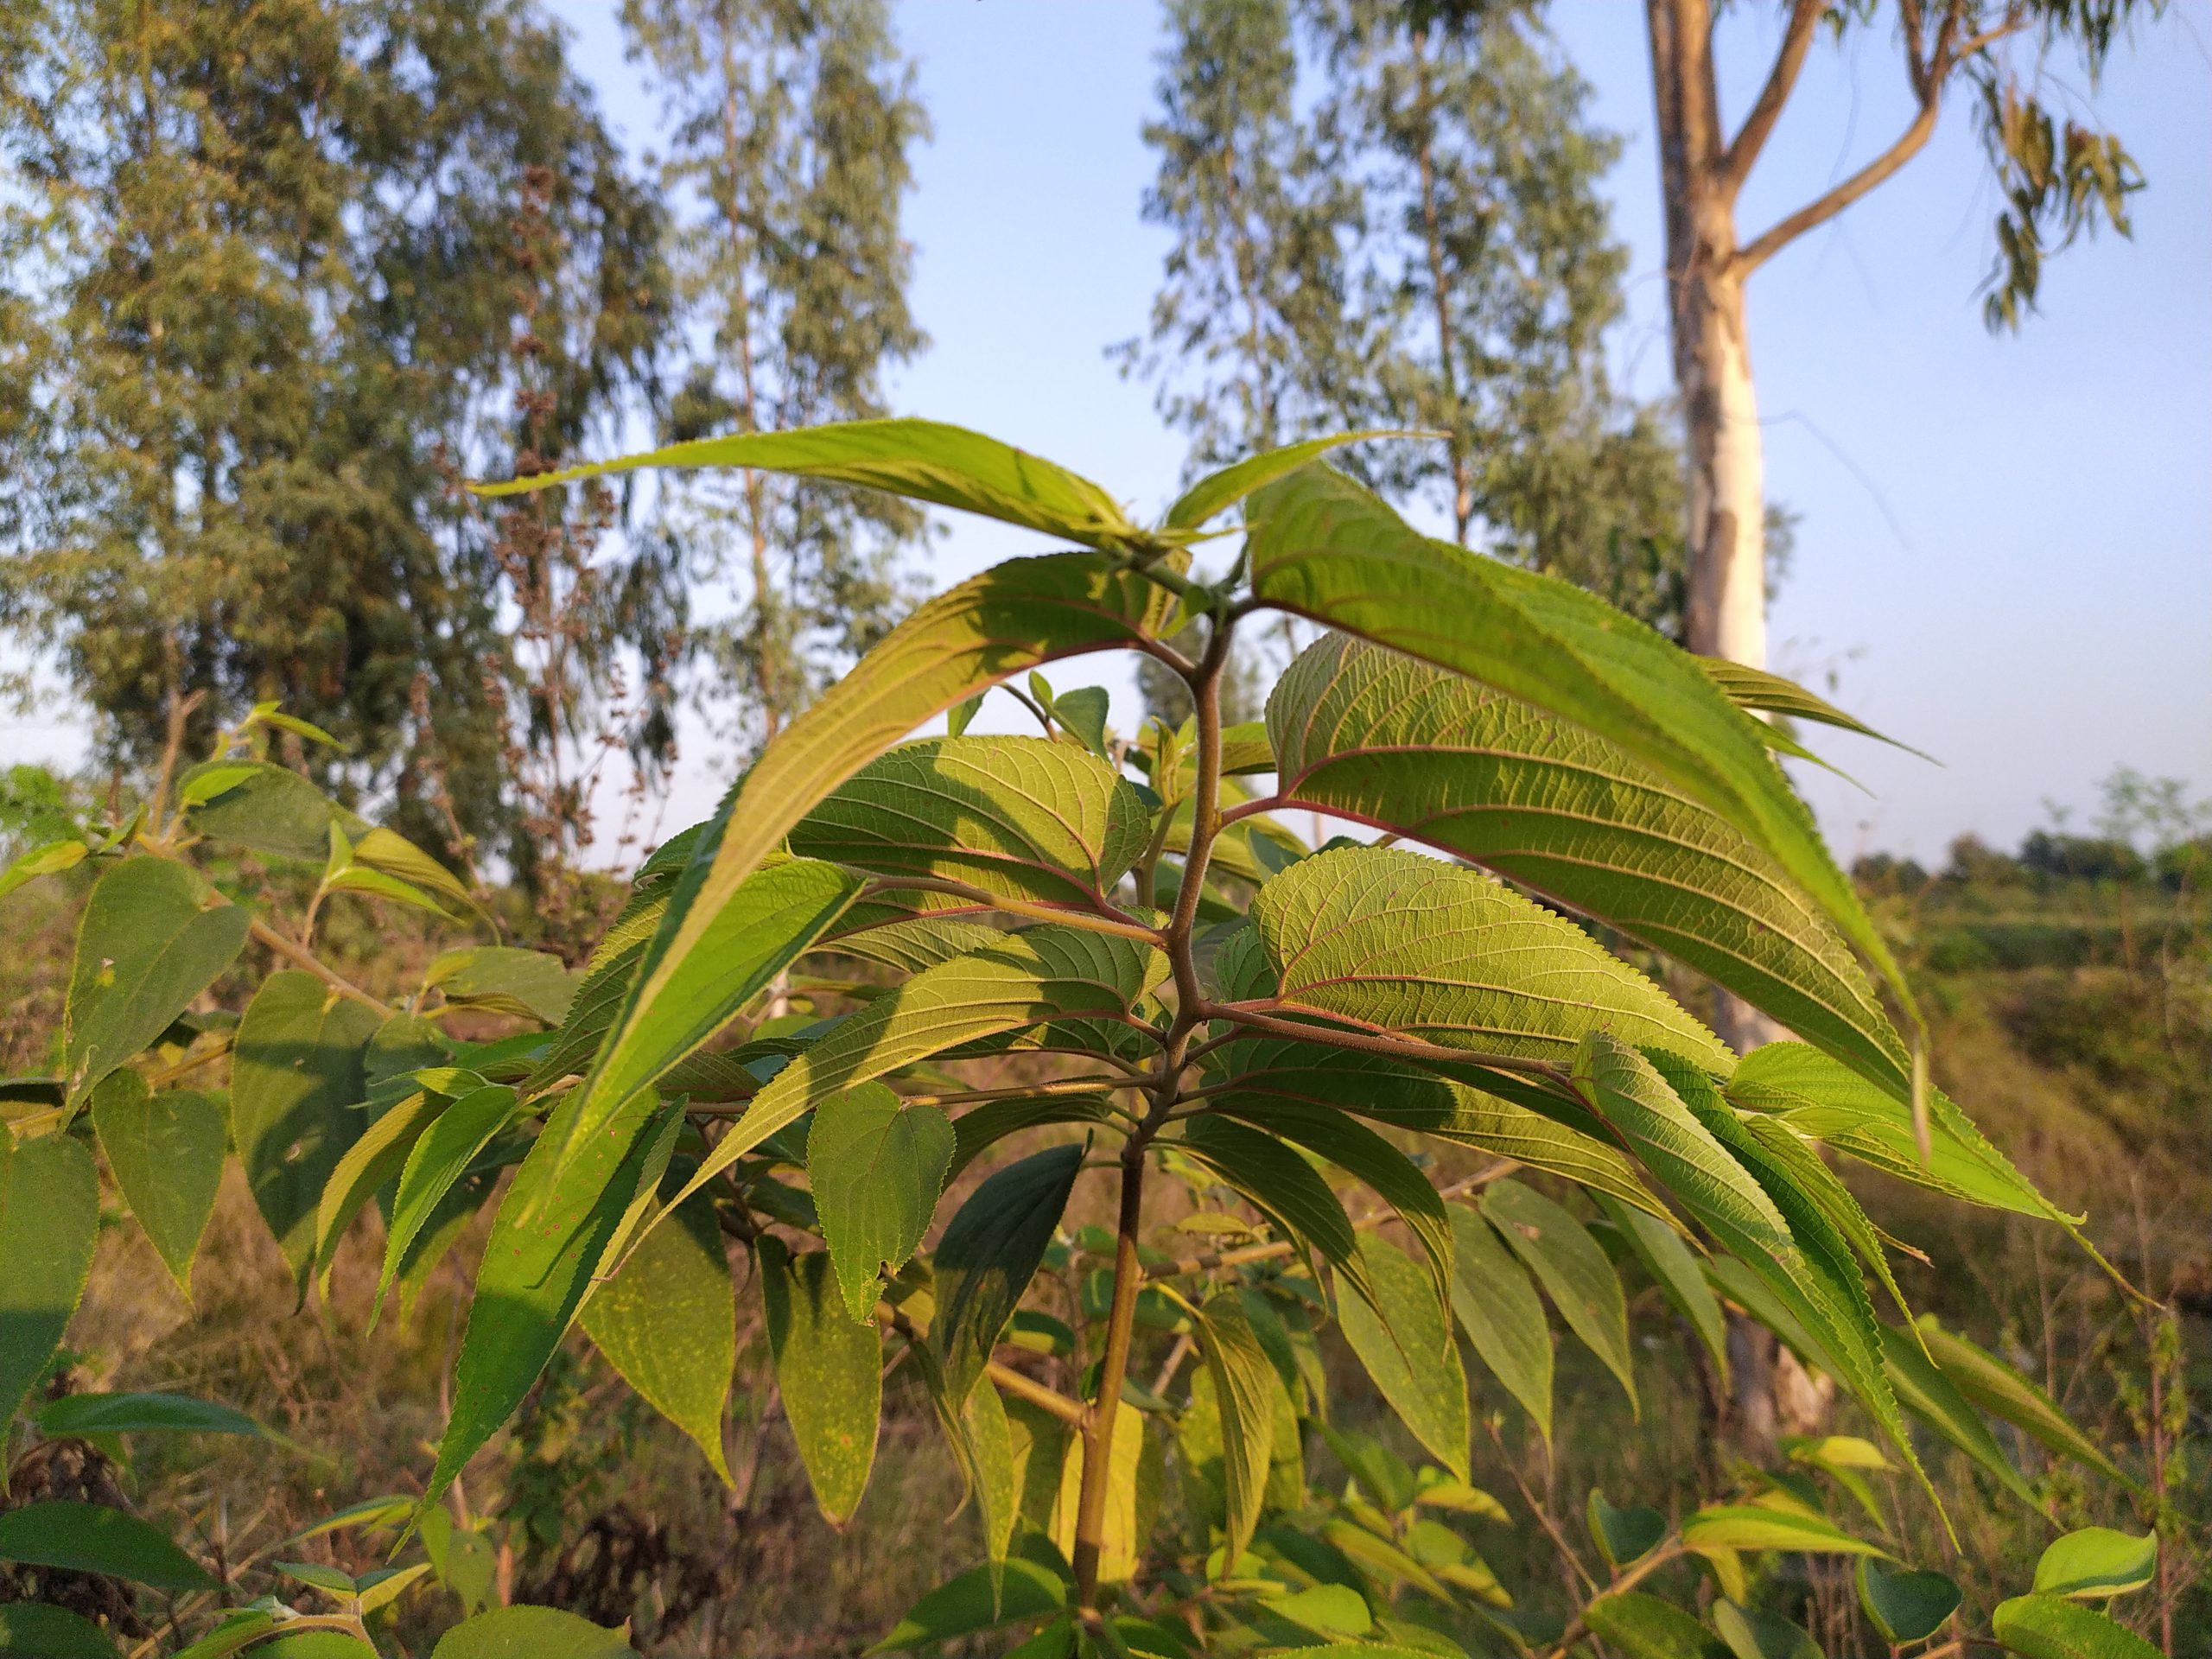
(1113, 1367)
(301, 957)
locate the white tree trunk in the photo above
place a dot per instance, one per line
(1727, 493)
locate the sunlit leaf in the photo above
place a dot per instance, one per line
(877, 1169)
(1398, 1326)
(829, 1369)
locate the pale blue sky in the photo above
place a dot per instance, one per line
(2006, 554)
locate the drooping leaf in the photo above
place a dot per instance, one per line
(1358, 1151)
(977, 1130)
(1012, 617)
(552, 1229)
(668, 1322)
(1025, 980)
(923, 461)
(370, 1164)
(1676, 1272)
(829, 1369)
(1751, 1633)
(1388, 939)
(1623, 1537)
(1753, 1527)
(166, 1152)
(755, 932)
(1498, 1309)
(296, 1078)
(990, 1252)
(133, 1414)
(1904, 1606)
(1644, 1627)
(1403, 1097)
(2092, 1563)
(145, 948)
(1573, 1269)
(2003, 1392)
(1370, 734)
(1403, 1338)
(1324, 548)
(49, 1216)
(1279, 1185)
(31, 1630)
(535, 984)
(1756, 688)
(530, 1633)
(2051, 1627)
(445, 1149)
(1930, 1396)
(979, 1600)
(876, 1168)
(94, 1538)
(1244, 1387)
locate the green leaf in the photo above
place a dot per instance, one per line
(922, 461)
(981, 1598)
(30, 1630)
(94, 1538)
(1675, 1270)
(535, 984)
(829, 1369)
(49, 859)
(1644, 1627)
(1930, 1396)
(1279, 1185)
(2093, 1563)
(1752, 1634)
(238, 1630)
(445, 1149)
(962, 715)
(1573, 1269)
(1244, 1386)
(1370, 734)
(1904, 1606)
(49, 1217)
(667, 1321)
(1996, 1389)
(394, 855)
(318, 1644)
(130, 1414)
(1359, 1151)
(359, 877)
(1324, 548)
(551, 1230)
(1623, 1537)
(2051, 1627)
(1021, 816)
(166, 1152)
(1751, 1527)
(1756, 689)
(1498, 1308)
(370, 1164)
(877, 1169)
(1219, 490)
(296, 1077)
(1402, 1336)
(261, 805)
(465, 1559)
(145, 948)
(1012, 617)
(1026, 979)
(1121, 1542)
(975, 1132)
(1389, 939)
(1082, 712)
(990, 1252)
(754, 935)
(530, 1633)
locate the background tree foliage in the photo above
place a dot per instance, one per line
(262, 296)
(792, 127)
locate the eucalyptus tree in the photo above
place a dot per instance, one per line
(258, 316)
(2056, 177)
(793, 125)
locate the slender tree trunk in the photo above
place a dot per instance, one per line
(1447, 367)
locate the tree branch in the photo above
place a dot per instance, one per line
(300, 956)
(1751, 137)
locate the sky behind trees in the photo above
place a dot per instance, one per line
(2006, 549)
